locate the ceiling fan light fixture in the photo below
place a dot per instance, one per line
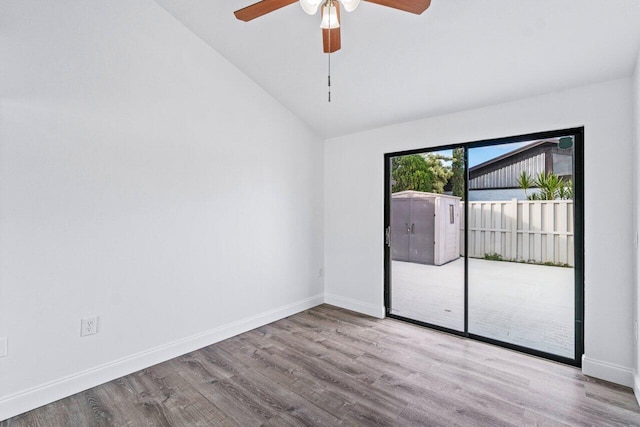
(329, 16)
(310, 6)
(350, 5)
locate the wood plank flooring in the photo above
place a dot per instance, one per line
(327, 366)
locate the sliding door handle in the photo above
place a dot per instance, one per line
(413, 228)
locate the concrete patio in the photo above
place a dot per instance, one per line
(523, 304)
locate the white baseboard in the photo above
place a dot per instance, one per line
(607, 371)
(636, 386)
(355, 305)
(43, 394)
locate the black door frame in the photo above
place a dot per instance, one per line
(578, 200)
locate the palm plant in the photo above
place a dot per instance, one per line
(525, 182)
(549, 184)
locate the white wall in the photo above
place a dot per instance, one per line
(146, 180)
(636, 199)
(354, 205)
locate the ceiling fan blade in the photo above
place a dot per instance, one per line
(261, 8)
(413, 6)
(331, 37)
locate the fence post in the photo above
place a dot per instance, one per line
(526, 245)
(514, 228)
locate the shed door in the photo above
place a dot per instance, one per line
(451, 223)
(422, 231)
(400, 228)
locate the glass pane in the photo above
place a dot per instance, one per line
(521, 260)
(427, 265)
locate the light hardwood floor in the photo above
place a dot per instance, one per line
(327, 366)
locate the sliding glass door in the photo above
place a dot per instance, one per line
(485, 240)
(427, 265)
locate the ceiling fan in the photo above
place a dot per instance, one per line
(330, 13)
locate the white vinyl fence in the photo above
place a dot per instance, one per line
(530, 231)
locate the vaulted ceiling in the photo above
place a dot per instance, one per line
(395, 66)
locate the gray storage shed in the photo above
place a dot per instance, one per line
(425, 227)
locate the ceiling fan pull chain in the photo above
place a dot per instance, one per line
(329, 54)
(329, 78)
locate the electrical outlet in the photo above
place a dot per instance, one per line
(89, 326)
(3, 347)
